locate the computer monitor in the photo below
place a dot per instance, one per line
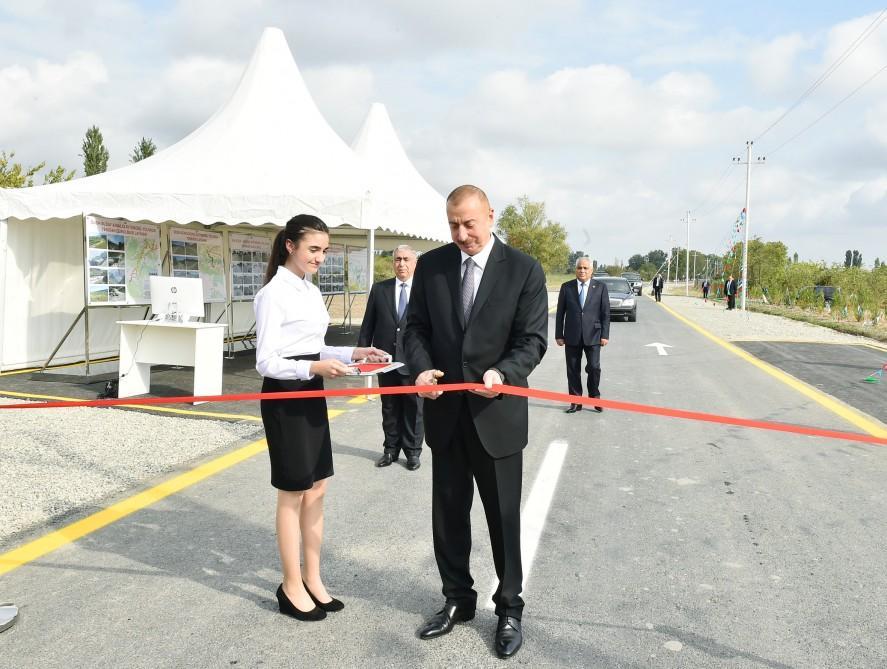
(176, 298)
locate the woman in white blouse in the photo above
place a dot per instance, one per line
(291, 321)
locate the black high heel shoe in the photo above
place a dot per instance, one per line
(287, 608)
(330, 606)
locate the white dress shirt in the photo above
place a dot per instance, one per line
(397, 283)
(291, 319)
(480, 262)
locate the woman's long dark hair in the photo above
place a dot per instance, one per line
(296, 228)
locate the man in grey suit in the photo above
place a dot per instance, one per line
(582, 325)
(383, 326)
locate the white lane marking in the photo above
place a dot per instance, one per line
(536, 510)
(660, 347)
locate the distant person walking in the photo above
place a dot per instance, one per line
(706, 286)
(582, 326)
(730, 292)
(657, 287)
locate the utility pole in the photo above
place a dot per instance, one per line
(687, 260)
(760, 161)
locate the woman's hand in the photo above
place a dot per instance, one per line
(370, 354)
(330, 368)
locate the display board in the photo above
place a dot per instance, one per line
(249, 260)
(358, 276)
(331, 277)
(198, 254)
(120, 256)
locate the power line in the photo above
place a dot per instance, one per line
(853, 46)
(829, 111)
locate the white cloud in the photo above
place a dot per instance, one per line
(772, 66)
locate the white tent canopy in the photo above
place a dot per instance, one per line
(266, 155)
(397, 191)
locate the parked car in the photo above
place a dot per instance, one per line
(622, 298)
(637, 283)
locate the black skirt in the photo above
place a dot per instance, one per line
(298, 434)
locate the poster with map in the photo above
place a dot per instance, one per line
(198, 254)
(249, 259)
(120, 256)
(358, 277)
(331, 277)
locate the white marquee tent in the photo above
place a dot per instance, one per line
(266, 155)
(398, 191)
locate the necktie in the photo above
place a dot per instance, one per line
(581, 295)
(468, 288)
(402, 301)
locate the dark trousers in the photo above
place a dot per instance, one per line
(592, 369)
(499, 484)
(731, 301)
(705, 293)
(401, 417)
(657, 292)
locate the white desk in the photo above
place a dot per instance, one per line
(146, 343)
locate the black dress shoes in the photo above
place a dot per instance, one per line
(574, 408)
(443, 621)
(599, 409)
(413, 462)
(386, 460)
(330, 607)
(509, 637)
(287, 608)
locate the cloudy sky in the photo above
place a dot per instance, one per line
(619, 115)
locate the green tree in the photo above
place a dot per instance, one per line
(95, 155)
(13, 175)
(58, 175)
(525, 227)
(848, 258)
(144, 149)
(635, 262)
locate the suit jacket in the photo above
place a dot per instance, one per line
(583, 326)
(381, 327)
(657, 282)
(507, 329)
(730, 287)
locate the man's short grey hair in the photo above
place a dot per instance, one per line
(406, 247)
(578, 260)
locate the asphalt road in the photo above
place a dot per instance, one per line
(667, 544)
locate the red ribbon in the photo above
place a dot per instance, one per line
(546, 395)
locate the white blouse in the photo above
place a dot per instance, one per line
(291, 319)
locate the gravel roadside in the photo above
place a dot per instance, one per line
(737, 325)
(58, 461)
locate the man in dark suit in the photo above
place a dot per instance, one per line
(383, 325)
(582, 325)
(730, 292)
(479, 313)
(706, 286)
(657, 287)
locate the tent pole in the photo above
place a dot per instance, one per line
(62, 341)
(371, 266)
(85, 296)
(4, 224)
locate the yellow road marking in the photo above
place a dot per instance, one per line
(145, 407)
(359, 399)
(850, 415)
(77, 530)
(69, 364)
(46, 544)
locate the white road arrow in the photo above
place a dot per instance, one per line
(660, 347)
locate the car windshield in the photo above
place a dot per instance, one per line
(616, 285)
(630, 276)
